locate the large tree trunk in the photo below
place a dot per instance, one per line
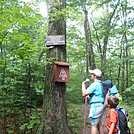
(54, 118)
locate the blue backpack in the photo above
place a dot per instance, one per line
(110, 90)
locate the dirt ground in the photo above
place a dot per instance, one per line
(88, 128)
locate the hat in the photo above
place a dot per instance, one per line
(97, 72)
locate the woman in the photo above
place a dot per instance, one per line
(96, 101)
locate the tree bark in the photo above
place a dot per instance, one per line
(123, 69)
(130, 72)
(118, 78)
(54, 116)
(99, 45)
(88, 58)
(125, 25)
(89, 46)
(106, 36)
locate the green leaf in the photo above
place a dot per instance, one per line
(32, 122)
(23, 126)
(27, 9)
(10, 131)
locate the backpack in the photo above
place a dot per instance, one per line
(109, 90)
(122, 121)
(106, 85)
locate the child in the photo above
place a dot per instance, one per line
(112, 116)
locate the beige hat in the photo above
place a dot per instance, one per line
(97, 72)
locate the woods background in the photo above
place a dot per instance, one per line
(99, 34)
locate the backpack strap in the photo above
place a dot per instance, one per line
(117, 126)
(97, 102)
(113, 94)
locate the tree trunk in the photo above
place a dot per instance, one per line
(88, 58)
(118, 78)
(126, 66)
(89, 46)
(130, 70)
(99, 45)
(123, 70)
(106, 36)
(54, 116)
(125, 25)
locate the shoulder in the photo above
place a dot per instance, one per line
(97, 83)
(93, 84)
(91, 88)
(113, 112)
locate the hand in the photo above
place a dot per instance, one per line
(87, 97)
(87, 80)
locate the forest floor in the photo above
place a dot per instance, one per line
(88, 128)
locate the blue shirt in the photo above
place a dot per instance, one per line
(96, 89)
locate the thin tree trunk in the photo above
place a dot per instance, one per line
(106, 37)
(123, 69)
(88, 57)
(99, 45)
(130, 75)
(126, 67)
(88, 37)
(125, 25)
(118, 78)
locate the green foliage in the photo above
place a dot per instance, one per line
(74, 117)
(34, 120)
(23, 57)
(23, 126)
(128, 92)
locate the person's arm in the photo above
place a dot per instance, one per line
(112, 128)
(113, 120)
(89, 90)
(84, 88)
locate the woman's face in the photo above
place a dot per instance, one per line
(92, 76)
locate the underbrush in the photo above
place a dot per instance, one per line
(75, 118)
(74, 106)
(18, 123)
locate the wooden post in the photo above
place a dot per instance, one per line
(85, 115)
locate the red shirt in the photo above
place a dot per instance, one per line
(112, 117)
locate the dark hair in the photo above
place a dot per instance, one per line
(98, 77)
(113, 101)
